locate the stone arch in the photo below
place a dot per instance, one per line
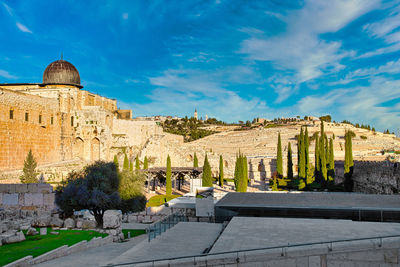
(78, 148)
(95, 149)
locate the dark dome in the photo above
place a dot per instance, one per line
(61, 72)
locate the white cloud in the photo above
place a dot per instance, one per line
(23, 28)
(8, 9)
(300, 48)
(7, 75)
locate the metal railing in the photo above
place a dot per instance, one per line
(283, 248)
(163, 225)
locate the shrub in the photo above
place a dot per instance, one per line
(29, 173)
(363, 137)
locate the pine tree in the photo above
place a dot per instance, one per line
(302, 166)
(221, 171)
(125, 167)
(289, 163)
(116, 161)
(195, 161)
(168, 183)
(207, 176)
(279, 163)
(29, 173)
(145, 163)
(137, 163)
(331, 170)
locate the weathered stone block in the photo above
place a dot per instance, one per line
(314, 261)
(13, 238)
(56, 222)
(3, 188)
(390, 255)
(33, 199)
(42, 221)
(21, 199)
(31, 231)
(1, 199)
(44, 188)
(11, 188)
(43, 231)
(10, 199)
(88, 224)
(32, 188)
(112, 219)
(21, 188)
(49, 199)
(69, 223)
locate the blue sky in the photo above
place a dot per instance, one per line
(233, 60)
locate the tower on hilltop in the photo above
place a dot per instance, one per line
(195, 114)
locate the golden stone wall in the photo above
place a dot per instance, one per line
(39, 131)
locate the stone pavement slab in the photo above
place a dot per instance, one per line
(184, 239)
(252, 232)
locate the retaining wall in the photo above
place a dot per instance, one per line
(27, 196)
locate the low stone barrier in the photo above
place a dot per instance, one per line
(27, 196)
(25, 261)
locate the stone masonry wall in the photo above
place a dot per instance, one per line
(40, 132)
(27, 197)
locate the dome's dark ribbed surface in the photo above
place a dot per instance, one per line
(61, 72)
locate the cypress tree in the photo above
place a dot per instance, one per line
(317, 165)
(137, 164)
(168, 182)
(116, 161)
(302, 166)
(221, 171)
(289, 163)
(207, 176)
(348, 164)
(126, 163)
(331, 170)
(29, 173)
(307, 157)
(130, 166)
(245, 176)
(195, 161)
(322, 160)
(236, 174)
(279, 164)
(145, 163)
(326, 149)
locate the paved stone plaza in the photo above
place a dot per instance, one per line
(184, 239)
(251, 232)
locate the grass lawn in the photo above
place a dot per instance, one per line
(158, 200)
(38, 245)
(133, 232)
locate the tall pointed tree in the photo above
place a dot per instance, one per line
(116, 162)
(316, 155)
(245, 177)
(348, 164)
(322, 161)
(331, 170)
(130, 166)
(279, 161)
(137, 163)
(168, 182)
(126, 163)
(309, 173)
(29, 170)
(221, 171)
(289, 163)
(195, 161)
(207, 175)
(145, 163)
(302, 165)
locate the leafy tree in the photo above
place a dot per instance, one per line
(137, 163)
(326, 118)
(221, 171)
(29, 173)
(116, 161)
(207, 176)
(131, 191)
(168, 185)
(145, 163)
(94, 188)
(279, 163)
(289, 163)
(126, 163)
(195, 161)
